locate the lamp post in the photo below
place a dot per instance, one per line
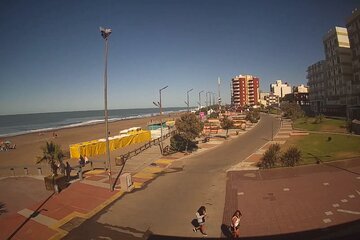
(105, 33)
(188, 103)
(159, 104)
(200, 99)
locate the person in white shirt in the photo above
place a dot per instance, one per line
(200, 216)
(235, 224)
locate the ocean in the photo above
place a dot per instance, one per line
(11, 125)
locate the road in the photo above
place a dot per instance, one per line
(168, 204)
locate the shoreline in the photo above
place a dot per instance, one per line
(85, 123)
(28, 146)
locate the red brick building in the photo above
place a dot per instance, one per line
(244, 91)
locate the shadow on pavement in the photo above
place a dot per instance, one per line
(34, 214)
(344, 231)
(2, 208)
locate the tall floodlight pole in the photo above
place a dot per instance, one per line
(200, 99)
(187, 97)
(161, 124)
(105, 33)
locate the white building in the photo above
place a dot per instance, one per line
(301, 89)
(280, 89)
(263, 97)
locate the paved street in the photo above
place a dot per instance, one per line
(168, 204)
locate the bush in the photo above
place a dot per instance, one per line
(271, 156)
(319, 119)
(180, 143)
(292, 110)
(253, 116)
(214, 115)
(291, 157)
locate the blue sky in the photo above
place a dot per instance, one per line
(52, 54)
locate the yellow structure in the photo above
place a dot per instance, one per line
(98, 147)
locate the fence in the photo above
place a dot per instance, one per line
(120, 160)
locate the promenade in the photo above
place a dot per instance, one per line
(34, 213)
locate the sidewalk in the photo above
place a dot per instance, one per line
(54, 217)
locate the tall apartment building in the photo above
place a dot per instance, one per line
(330, 80)
(280, 89)
(244, 90)
(338, 70)
(353, 27)
(316, 75)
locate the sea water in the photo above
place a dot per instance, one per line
(11, 125)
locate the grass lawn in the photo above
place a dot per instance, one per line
(328, 124)
(317, 146)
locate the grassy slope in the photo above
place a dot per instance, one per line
(317, 146)
(332, 125)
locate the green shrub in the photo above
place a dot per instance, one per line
(291, 157)
(270, 156)
(181, 144)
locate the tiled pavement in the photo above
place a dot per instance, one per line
(287, 200)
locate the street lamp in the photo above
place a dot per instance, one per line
(159, 104)
(187, 95)
(105, 33)
(200, 99)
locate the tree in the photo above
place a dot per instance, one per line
(291, 157)
(189, 127)
(53, 155)
(226, 124)
(253, 116)
(271, 156)
(292, 110)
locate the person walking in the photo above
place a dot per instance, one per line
(200, 216)
(235, 223)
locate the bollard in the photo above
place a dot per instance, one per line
(13, 171)
(26, 171)
(92, 166)
(80, 173)
(39, 171)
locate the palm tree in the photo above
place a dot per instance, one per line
(53, 155)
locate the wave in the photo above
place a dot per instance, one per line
(77, 123)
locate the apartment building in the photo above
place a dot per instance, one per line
(301, 89)
(339, 71)
(316, 75)
(353, 27)
(244, 90)
(330, 79)
(280, 89)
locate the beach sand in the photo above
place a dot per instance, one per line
(28, 146)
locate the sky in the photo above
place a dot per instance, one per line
(52, 53)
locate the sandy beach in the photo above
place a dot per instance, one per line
(28, 146)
